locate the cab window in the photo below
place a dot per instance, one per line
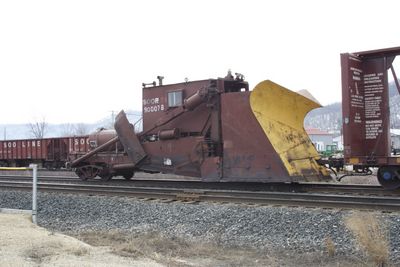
(175, 99)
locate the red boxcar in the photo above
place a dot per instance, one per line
(47, 152)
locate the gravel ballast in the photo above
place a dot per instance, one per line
(299, 230)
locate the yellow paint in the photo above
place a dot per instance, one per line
(354, 161)
(281, 113)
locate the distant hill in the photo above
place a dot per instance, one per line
(329, 117)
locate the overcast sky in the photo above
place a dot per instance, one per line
(76, 61)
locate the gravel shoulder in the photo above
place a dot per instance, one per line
(207, 234)
(24, 244)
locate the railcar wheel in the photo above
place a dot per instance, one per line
(105, 175)
(80, 174)
(128, 175)
(87, 172)
(389, 177)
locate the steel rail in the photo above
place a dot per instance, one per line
(194, 184)
(225, 196)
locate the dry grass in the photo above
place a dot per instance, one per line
(371, 236)
(330, 246)
(38, 252)
(79, 251)
(175, 251)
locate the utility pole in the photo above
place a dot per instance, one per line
(112, 118)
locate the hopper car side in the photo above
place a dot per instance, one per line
(50, 153)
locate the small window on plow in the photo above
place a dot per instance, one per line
(175, 99)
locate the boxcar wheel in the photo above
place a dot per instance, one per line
(389, 177)
(87, 172)
(80, 174)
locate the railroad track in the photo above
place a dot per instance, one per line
(363, 202)
(354, 189)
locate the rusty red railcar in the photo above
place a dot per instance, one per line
(47, 152)
(366, 113)
(214, 129)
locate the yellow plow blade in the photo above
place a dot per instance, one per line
(281, 114)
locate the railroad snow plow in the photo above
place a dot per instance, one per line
(215, 129)
(281, 114)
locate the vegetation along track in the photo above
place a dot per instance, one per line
(193, 195)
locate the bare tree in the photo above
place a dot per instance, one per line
(38, 129)
(67, 129)
(81, 129)
(70, 129)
